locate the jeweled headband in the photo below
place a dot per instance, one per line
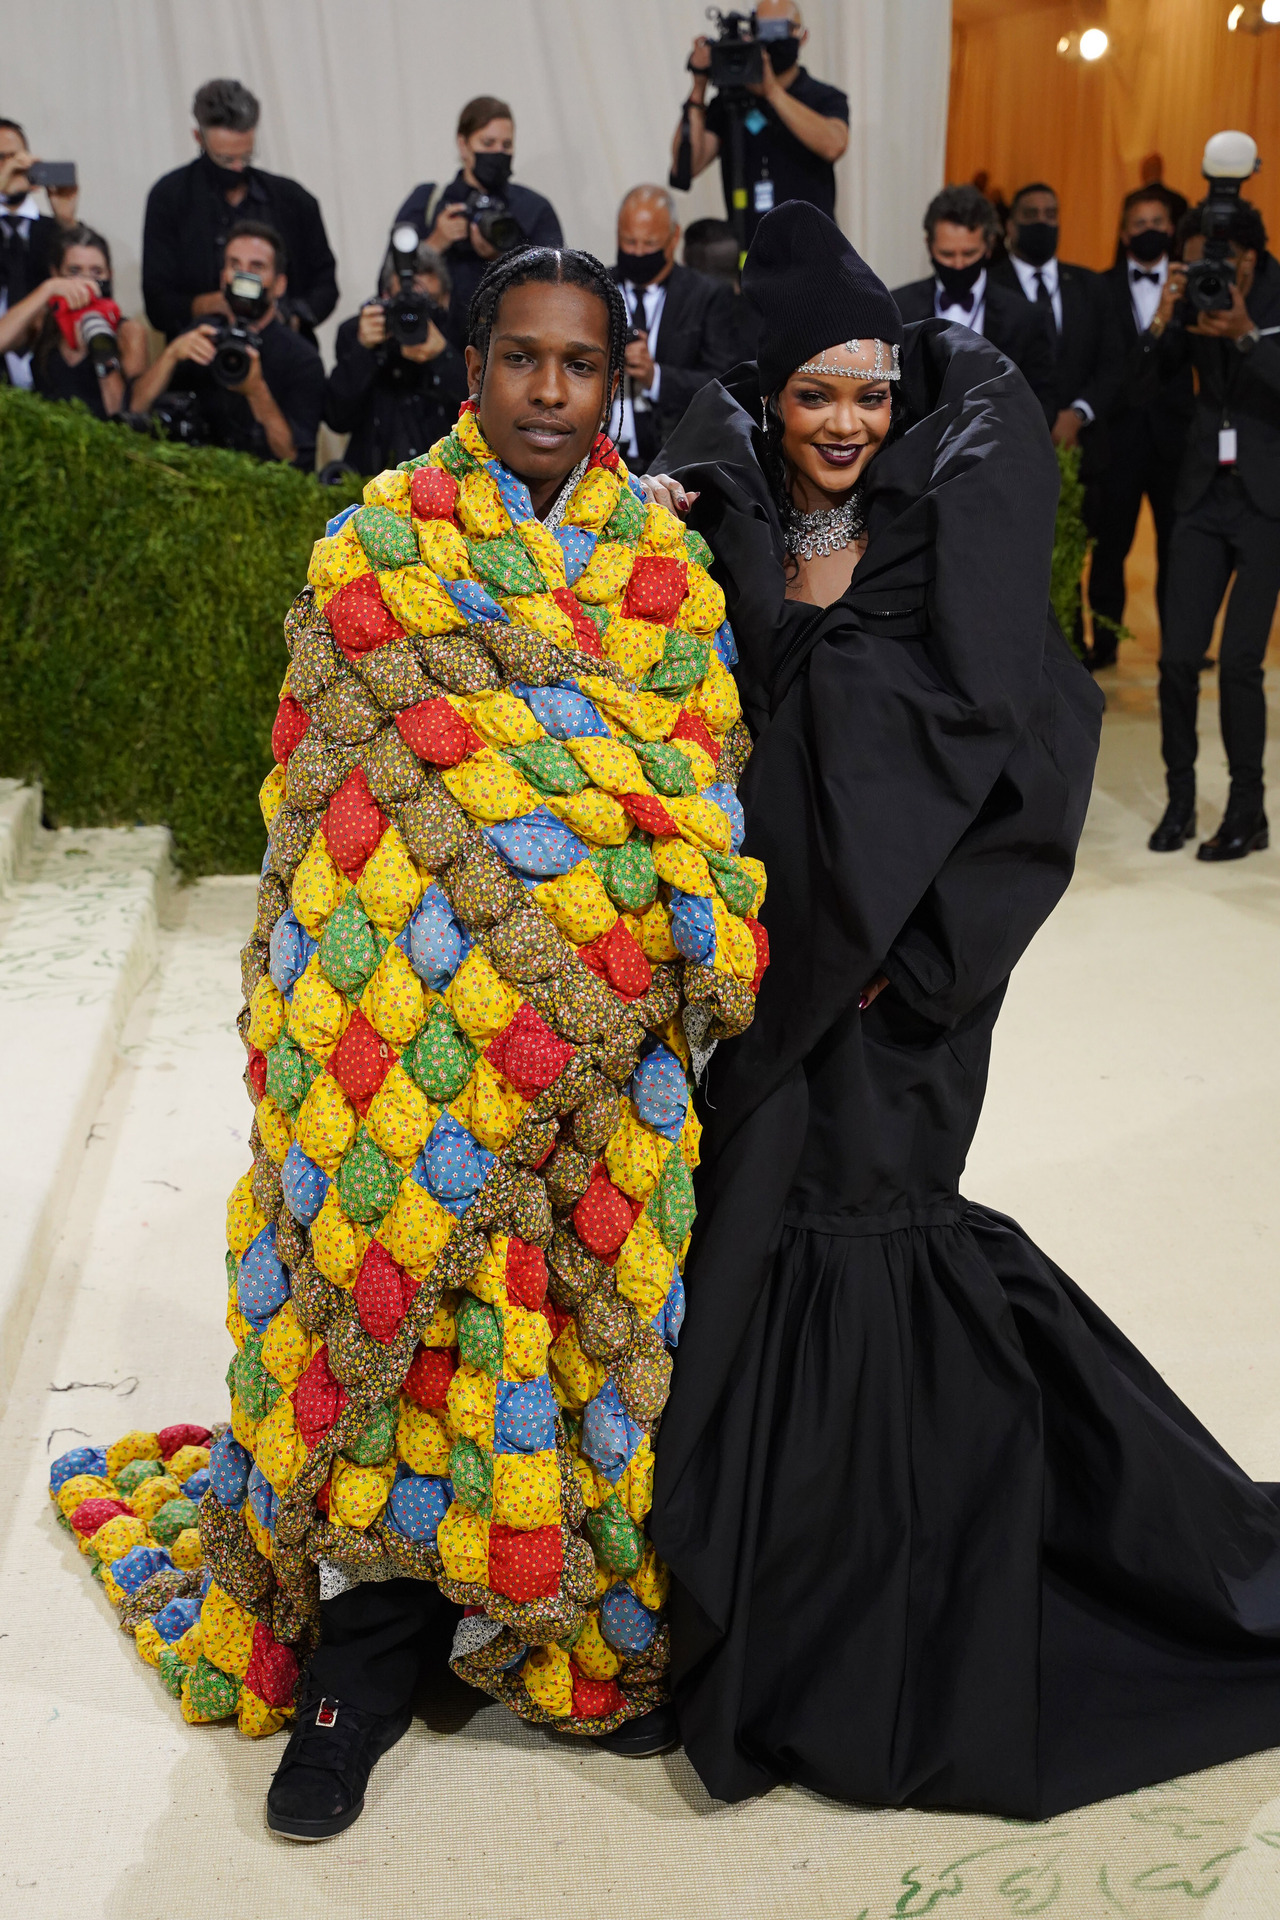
(880, 370)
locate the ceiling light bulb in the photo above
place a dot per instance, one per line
(1064, 45)
(1093, 41)
(1234, 18)
(1271, 12)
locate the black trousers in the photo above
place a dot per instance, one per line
(376, 1638)
(1133, 469)
(1222, 534)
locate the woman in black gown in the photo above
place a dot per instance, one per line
(939, 1535)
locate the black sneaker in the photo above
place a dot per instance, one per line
(318, 1788)
(652, 1733)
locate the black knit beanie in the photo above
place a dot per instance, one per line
(811, 291)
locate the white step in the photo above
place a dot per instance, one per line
(78, 939)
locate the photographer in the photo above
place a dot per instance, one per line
(1219, 312)
(482, 212)
(396, 397)
(26, 233)
(960, 229)
(682, 323)
(272, 409)
(793, 130)
(80, 348)
(191, 212)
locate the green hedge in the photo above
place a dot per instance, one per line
(142, 590)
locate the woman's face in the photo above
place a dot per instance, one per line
(832, 424)
(85, 263)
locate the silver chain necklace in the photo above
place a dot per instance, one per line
(559, 506)
(828, 530)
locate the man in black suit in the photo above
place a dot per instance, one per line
(685, 320)
(1147, 429)
(1090, 346)
(960, 227)
(1228, 522)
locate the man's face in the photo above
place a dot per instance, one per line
(543, 396)
(1146, 216)
(645, 226)
(249, 254)
(428, 285)
(782, 10)
(1033, 209)
(229, 150)
(957, 246)
(11, 142)
(1243, 259)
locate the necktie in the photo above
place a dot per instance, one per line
(1043, 296)
(1138, 274)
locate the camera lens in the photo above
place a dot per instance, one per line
(99, 337)
(231, 361)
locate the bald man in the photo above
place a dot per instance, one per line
(685, 323)
(793, 131)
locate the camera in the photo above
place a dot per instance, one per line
(408, 311)
(495, 220)
(1229, 160)
(738, 51)
(99, 335)
(52, 173)
(248, 298)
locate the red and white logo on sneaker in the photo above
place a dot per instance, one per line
(327, 1714)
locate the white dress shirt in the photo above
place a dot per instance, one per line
(18, 220)
(1145, 294)
(1027, 280)
(648, 302)
(971, 316)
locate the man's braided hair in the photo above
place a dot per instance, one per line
(553, 267)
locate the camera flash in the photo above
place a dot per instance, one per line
(1093, 43)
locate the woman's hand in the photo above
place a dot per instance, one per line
(873, 991)
(76, 292)
(660, 490)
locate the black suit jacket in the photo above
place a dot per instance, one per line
(1242, 389)
(698, 340)
(185, 228)
(1159, 407)
(1090, 352)
(1019, 330)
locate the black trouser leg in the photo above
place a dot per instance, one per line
(373, 1639)
(1245, 630)
(1160, 482)
(1200, 562)
(1119, 501)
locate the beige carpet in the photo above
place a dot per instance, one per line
(1131, 1125)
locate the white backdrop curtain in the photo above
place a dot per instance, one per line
(360, 98)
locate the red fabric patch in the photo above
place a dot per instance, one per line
(353, 824)
(291, 722)
(648, 812)
(318, 1399)
(602, 1217)
(657, 586)
(322, 1497)
(95, 1513)
(433, 494)
(761, 938)
(273, 1670)
(603, 454)
(257, 1072)
(526, 1274)
(525, 1566)
(529, 1053)
(585, 637)
(437, 732)
(556, 1318)
(427, 1381)
(359, 617)
(618, 958)
(361, 1062)
(185, 1435)
(595, 1699)
(689, 727)
(383, 1292)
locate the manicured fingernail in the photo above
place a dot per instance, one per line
(864, 1002)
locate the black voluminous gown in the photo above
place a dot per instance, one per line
(939, 1535)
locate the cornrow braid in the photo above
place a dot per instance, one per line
(552, 267)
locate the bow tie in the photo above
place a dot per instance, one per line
(962, 300)
(1136, 273)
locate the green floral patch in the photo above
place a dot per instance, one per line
(290, 1073)
(629, 875)
(131, 1477)
(615, 1539)
(367, 1181)
(671, 1204)
(174, 1517)
(213, 1693)
(627, 521)
(684, 662)
(547, 766)
(373, 1444)
(666, 768)
(350, 948)
(440, 1059)
(733, 883)
(479, 1336)
(388, 538)
(697, 549)
(505, 566)
(471, 1472)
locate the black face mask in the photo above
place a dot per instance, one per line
(221, 179)
(783, 54)
(492, 170)
(1036, 241)
(641, 268)
(1149, 246)
(957, 281)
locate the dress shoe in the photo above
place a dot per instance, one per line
(1240, 833)
(1176, 828)
(653, 1733)
(1099, 657)
(318, 1788)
